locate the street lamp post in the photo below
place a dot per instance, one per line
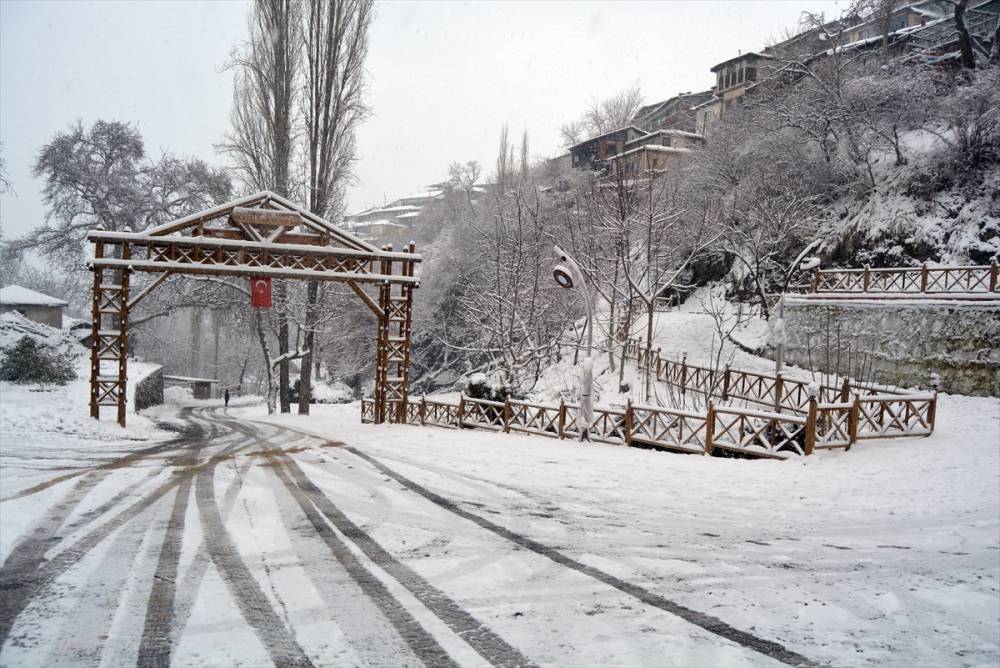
(568, 275)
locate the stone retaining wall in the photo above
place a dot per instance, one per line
(908, 341)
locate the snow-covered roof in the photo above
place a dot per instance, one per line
(15, 295)
(377, 223)
(412, 214)
(606, 134)
(651, 147)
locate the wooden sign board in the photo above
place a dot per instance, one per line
(268, 217)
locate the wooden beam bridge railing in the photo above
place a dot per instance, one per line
(969, 282)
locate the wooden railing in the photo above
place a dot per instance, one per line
(795, 423)
(736, 430)
(976, 280)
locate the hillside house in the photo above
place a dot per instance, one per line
(33, 305)
(653, 151)
(677, 113)
(592, 153)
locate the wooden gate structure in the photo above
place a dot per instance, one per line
(261, 235)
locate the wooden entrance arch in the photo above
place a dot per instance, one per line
(259, 235)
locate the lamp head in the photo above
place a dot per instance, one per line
(563, 276)
(561, 254)
(809, 263)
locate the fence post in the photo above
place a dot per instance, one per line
(852, 422)
(709, 428)
(684, 373)
(362, 409)
(932, 409)
(811, 427)
(562, 419)
(506, 414)
(461, 409)
(659, 363)
(815, 282)
(867, 271)
(423, 410)
(628, 423)
(725, 385)
(845, 391)
(923, 277)
(994, 276)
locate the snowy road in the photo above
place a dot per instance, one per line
(254, 543)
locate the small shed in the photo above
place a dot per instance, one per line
(33, 305)
(201, 388)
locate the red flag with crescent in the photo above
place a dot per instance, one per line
(260, 292)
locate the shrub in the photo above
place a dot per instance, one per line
(28, 362)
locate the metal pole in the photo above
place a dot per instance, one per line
(587, 367)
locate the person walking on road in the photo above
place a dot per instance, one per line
(225, 396)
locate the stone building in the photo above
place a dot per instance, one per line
(32, 305)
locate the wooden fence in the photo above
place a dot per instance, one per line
(753, 433)
(884, 412)
(793, 423)
(974, 280)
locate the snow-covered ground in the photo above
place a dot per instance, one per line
(885, 555)
(253, 539)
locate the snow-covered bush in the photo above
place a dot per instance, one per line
(480, 386)
(28, 362)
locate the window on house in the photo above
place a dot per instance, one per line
(751, 74)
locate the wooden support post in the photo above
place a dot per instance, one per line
(810, 427)
(867, 277)
(994, 276)
(725, 385)
(659, 363)
(932, 412)
(123, 338)
(461, 409)
(628, 423)
(95, 339)
(562, 419)
(423, 410)
(710, 428)
(923, 277)
(852, 422)
(815, 281)
(684, 373)
(506, 414)
(845, 391)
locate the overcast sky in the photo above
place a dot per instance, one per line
(443, 76)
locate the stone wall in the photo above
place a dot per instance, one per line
(47, 315)
(149, 391)
(908, 341)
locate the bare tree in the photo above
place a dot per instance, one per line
(335, 42)
(261, 140)
(603, 116)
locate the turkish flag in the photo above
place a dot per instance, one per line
(260, 292)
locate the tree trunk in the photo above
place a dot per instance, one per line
(267, 362)
(281, 292)
(305, 377)
(964, 39)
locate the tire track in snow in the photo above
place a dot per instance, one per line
(254, 605)
(21, 581)
(422, 643)
(711, 624)
(477, 635)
